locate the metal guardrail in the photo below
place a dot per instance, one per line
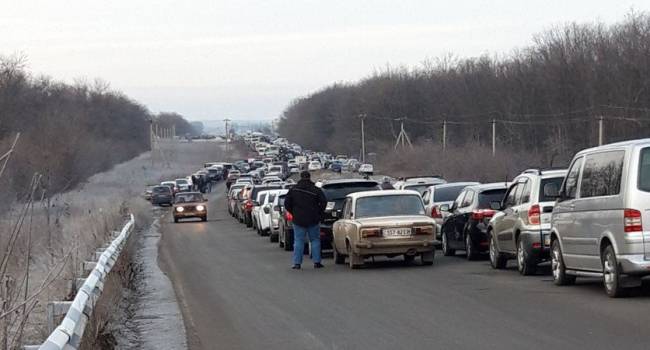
(69, 333)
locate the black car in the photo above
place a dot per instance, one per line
(466, 226)
(162, 195)
(214, 174)
(335, 191)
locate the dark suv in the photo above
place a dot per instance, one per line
(466, 227)
(335, 191)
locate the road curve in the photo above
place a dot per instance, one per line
(238, 292)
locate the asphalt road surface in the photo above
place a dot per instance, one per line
(237, 291)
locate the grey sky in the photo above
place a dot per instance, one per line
(248, 59)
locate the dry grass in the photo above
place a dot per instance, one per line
(83, 218)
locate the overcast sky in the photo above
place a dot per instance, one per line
(209, 59)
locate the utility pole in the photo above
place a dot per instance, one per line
(151, 141)
(494, 137)
(363, 139)
(173, 131)
(600, 130)
(444, 135)
(402, 137)
(227, 134)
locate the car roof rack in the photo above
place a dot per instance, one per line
(539, 171)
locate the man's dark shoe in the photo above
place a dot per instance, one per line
(296, 267)
(318, 266)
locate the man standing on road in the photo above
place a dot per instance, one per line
(306, 203)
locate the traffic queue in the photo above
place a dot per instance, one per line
(583, 221)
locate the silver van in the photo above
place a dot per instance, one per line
(597, 225)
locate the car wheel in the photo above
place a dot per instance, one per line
(470, 250)
(524, 264)
(497, 260)
(611, 274)
(560, 278)
(175, 219)
(446, 251)
(288, 242)
(354, 260)
(409, 258)
(427, 258)
(273, 237)
(204, 218)
(249, 222)
(339, 258)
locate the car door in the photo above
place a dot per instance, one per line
(449, 226)
(461, 217)
(339, 226)
(426, 199)
(504, 229)
(563, 220)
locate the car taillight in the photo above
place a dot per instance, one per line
(370, 232)
(435, 213)
(249, 204)
(534, 215)
(632, 220)
(423, 230)
(481, 214)
(288, 216)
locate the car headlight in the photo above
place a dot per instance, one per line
(200, 208)
(179, 209)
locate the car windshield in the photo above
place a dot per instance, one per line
(388, 205)
(188, 197)
(281, 200)
(338, 192)
(489, 196)
(419, 188)
(556, 181)
(447, 194)
(181, 182)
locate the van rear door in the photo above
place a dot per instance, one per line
(640, 194)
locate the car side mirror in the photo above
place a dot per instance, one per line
(444, 207)
(551, 190)
(266, 210)
(495, 205)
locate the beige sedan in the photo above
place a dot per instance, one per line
(387, 223)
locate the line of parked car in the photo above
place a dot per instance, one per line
(587, 220)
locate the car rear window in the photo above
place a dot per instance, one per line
(161, 189)
(557, 181)
(489, 196)
(447, 194)
(644, 170)
(420, 188)
(339, 191)
(390, 205)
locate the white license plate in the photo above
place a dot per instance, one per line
(397, 232)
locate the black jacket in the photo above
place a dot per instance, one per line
(306, 203)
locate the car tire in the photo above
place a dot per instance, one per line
(273, 237)
(446, 251)
(176, 220)
(204, 218)
(470, 249)
(288, 243)
(612, 274)
(339, 258)
(560, 278)
(498, 260)
(409, 259)
(427, 258)
(525, 263)
(249, 222)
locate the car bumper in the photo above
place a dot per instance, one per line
(537, 243)
(395, 247)
(195, 214)
(634, 264)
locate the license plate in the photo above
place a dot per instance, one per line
(397, 232)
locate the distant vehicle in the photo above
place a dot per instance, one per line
(419, 185)
(276, 212)
(162, 195)
(522, 227)
(215, 173)
(233, 175)
(271, 180)
(466, 226)
(190, 205)
(366, 169)
(294, 169)
(232, 199)
(341, 157)
(336, 166)
(148, 192)
(183, 185)
(275, 170)
(314, 165)
(444, 194)
(384, 222)
(171, 185)
(601, 220)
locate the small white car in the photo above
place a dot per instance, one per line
(314, 165)
(366, 169)
(263, 219)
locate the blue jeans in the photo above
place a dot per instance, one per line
(299, 233)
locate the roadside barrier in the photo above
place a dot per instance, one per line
(69, 333)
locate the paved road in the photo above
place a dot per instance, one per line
(238, 292)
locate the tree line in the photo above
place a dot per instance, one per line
(68, 132)
(546, 98)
